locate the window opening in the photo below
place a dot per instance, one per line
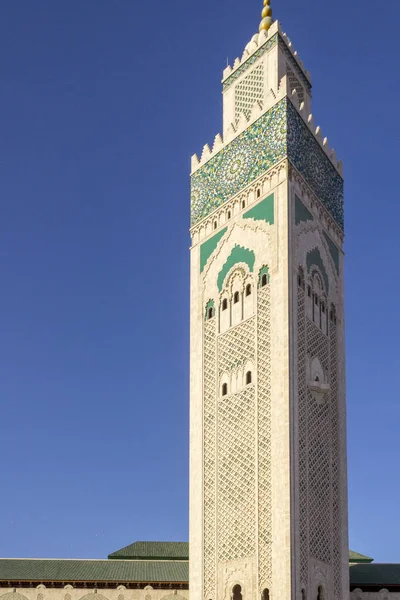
(303, 594)
(229, 214)
(248, 289)
(320, 593)
(264, 280)
(258, 193)
(224, 389)
(224, 304)
(237, 592)
(236, 298)
(243, 203)
(265, 594)
(248, 377)
(210, 312)
(215, 224)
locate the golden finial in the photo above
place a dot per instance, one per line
(266, 16)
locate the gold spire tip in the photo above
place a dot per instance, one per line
(266, 16)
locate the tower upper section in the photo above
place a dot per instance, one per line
(256, 76)
(267, 117)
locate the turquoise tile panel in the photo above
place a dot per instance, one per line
(263, 211)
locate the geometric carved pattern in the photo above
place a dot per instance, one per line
(319, 452)
(302, 424)
(249, 91)
(294, 84)
(319, 447)
(236, 475)
(253, 58)
(336, 513)
(209, 433)
(236, 346)
(236, 452)
(264, 438)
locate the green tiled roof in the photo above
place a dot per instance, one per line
(355, 557)
(26, 569)
(154, 550)
(376, 574)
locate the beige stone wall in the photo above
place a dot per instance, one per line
(68, 592)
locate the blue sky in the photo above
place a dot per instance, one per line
(102, 104)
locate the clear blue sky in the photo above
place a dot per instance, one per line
(102, 104)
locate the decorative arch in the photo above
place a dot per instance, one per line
(13, 596)
(239, 254)
(314, 258)
(93, 596)
(173, 597)
(263, 276)
(210, 309)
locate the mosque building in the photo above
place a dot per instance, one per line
(268, 461)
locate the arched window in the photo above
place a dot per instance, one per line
(224, 304)
(210, 312)
(215, 224)
(224, 389)
(237, 592)
(303, 594)
(264, 280)
(258, 193)
(320, 593)
(229, 214)
(243, 203)
(248, 377)
(248, 289)
(265, 594)
(235, 297)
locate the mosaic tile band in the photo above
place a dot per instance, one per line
(243, 160)
(310, 160)
(278, 133)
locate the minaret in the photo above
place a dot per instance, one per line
(268, 483)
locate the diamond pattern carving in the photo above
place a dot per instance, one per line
(249, 91)
(319, 453)
(210, 387)
(236, 475)
(236, 346)
(264, 438)
(236, 450)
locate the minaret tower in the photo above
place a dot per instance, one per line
(268, 483)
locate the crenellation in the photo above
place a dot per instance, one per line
(218, 143)
(206, 153)
(195, 162)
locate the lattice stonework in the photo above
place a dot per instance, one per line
(336, 512)
(236, 427)
(302, 423)
(249, 91)
(319, 447)
(295, 84)
(319, 453)
(264, 438)
(210, 386)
